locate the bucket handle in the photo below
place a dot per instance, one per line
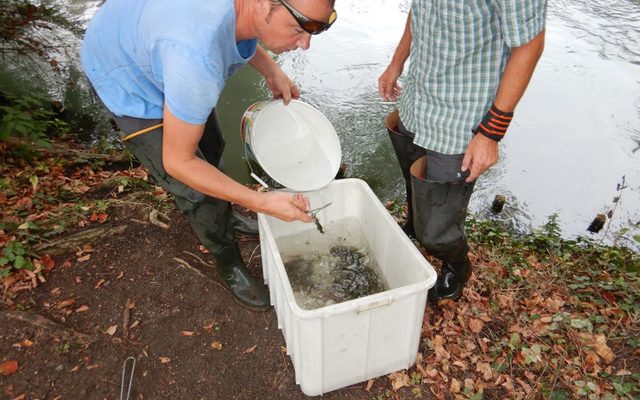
(375, 305)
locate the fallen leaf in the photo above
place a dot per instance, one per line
(120, 275)
(455, 386)
(603, 350)
(187, 333)
(369, 384)
(475, 325)
(111, 330)
(47, 262)
(82, 308)
(208, 327)
(164, 360)
(216, 345)
(134, 324)
(84, 258)
(250, 349)
(9, 367)
(65, 303)
(398, 380)
(485, 369)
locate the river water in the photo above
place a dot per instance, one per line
(575, 134)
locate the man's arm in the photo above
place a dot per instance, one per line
(179, 145)
(518, 72)
(388, 81)
(279, 83)
(482, 152)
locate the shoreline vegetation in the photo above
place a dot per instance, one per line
(542, 317)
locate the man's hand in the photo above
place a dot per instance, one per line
(388, 83)
(281, 86)
(286, 207)
(481, 154)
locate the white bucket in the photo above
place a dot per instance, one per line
(295, 144)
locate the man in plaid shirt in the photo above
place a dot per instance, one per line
(471, 62)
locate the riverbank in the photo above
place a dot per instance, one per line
(97, 266)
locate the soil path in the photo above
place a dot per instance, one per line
(189, 338)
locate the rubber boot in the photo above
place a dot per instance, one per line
(212, 146)
(211, 221)
(440, 210)
(244, 224)
(210, 218)
(406, 153)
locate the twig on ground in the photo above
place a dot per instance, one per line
(186, 265)
(208, 264)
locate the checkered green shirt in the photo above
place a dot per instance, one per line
(459, 50)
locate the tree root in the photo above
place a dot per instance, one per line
(49, 325)
(69, 243)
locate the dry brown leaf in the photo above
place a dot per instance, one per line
(603, 350)
(120, 275)
(369, 384)
(111, 330)
(455, 386)
(399, 379)
(216, 345)
(134, 324)
(99, 283)
(164, 360)
(475, 325)
(82, 308)
(485, 369)
(250, 349)
(65, 303)
(9, 368)
(84, 258)
(187, 333)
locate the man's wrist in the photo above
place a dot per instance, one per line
(495, 123)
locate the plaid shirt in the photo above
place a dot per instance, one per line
(459, 50)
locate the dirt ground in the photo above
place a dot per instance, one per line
(189, 338)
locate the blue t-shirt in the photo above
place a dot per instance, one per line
(142, 54)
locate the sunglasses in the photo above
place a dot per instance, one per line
(307, 24)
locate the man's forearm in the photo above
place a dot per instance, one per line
(404, 47)
(262, 62)
(520, 66)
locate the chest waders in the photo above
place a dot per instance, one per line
(211, 219)
(436, 213)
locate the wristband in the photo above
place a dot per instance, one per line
(494, 124)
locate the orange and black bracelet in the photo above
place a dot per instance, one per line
(494, 124)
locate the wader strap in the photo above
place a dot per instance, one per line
(141, 131)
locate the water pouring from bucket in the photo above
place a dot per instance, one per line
(295, 145)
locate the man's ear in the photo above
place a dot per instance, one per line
(262, 7)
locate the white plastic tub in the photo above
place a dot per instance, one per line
(350, 342)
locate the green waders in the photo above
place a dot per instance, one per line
(211, 219)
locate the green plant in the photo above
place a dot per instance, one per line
(27, 117)
(14, 258)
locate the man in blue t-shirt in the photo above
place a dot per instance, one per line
(160, 66)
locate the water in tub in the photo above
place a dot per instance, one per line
(330, 268)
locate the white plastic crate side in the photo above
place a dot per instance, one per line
(345, 340)
(310, 347)
(395, 333)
